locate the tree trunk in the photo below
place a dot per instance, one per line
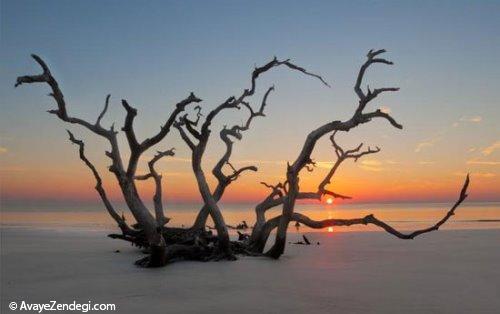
(201, 219)
(211, 203)
(288, 206)
(146, 222)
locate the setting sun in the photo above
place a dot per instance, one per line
(329, 201)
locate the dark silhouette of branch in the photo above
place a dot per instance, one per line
(99, 188)
(146, 222)
(166, 244)
(342, 155)
(371, 219)
(197, 143)
(278, 195)
(304, 157)
(157, 198)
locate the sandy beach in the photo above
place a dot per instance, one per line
(444, 272)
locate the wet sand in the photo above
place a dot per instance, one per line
(452, 271)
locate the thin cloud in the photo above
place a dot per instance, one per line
(371, 162)
(426, 162)
(324, 164)
(371, 165)
(3, 150)
(424, 144)
(13, 169)
(253, 161)
(477, 174)
(371, 168)
(483, 162)
(467, 119)
(473, 119)
(490, 149)
(392, 162)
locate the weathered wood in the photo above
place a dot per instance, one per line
(165, 244)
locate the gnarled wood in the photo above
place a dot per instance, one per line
(368, 219)
(166, 244)
(197, 140)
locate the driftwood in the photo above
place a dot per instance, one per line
(165, 244)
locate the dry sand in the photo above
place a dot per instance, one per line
(443, 272)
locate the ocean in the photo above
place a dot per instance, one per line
(402, 216)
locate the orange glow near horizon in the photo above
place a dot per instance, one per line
(73, 182)
(78, 186)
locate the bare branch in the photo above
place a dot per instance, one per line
(224, 180)
(305, 154)
(179, 107)
(157, 198)
(184, 136)
(136, 148)
(106, 104)
(295, 67)
(190, 126)
(364, 99)
(273, 187)
(235, 102)
(370, 219)
(274, 63)
(366, 117)
(99, 188)
(236, 172)
(61, 112)
(128, 127)
(260, 239)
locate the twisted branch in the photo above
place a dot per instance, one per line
(157, 198)
(371, 219)
(62, 113)
(99, 188)
(304, 158)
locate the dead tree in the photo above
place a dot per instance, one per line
(197, 138)
(149, 226)
(164, 243)
(287, 193)
(167, 244)
(279, 193)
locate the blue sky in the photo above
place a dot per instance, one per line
(154, 53)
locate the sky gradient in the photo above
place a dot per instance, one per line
(446, 63)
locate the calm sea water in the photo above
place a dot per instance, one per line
(407, 216)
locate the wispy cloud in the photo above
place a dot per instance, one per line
(477, 174)
(490, 149)
(254, 161)
(473, 119)
(472, 149)
(392, 162)
(467, 119)
(427, 143)
(371, 168)
(371, 162)
(483, 162)
(426, 162)
(13, 169)
(3, 150)
(371, 165)
(324, 164)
